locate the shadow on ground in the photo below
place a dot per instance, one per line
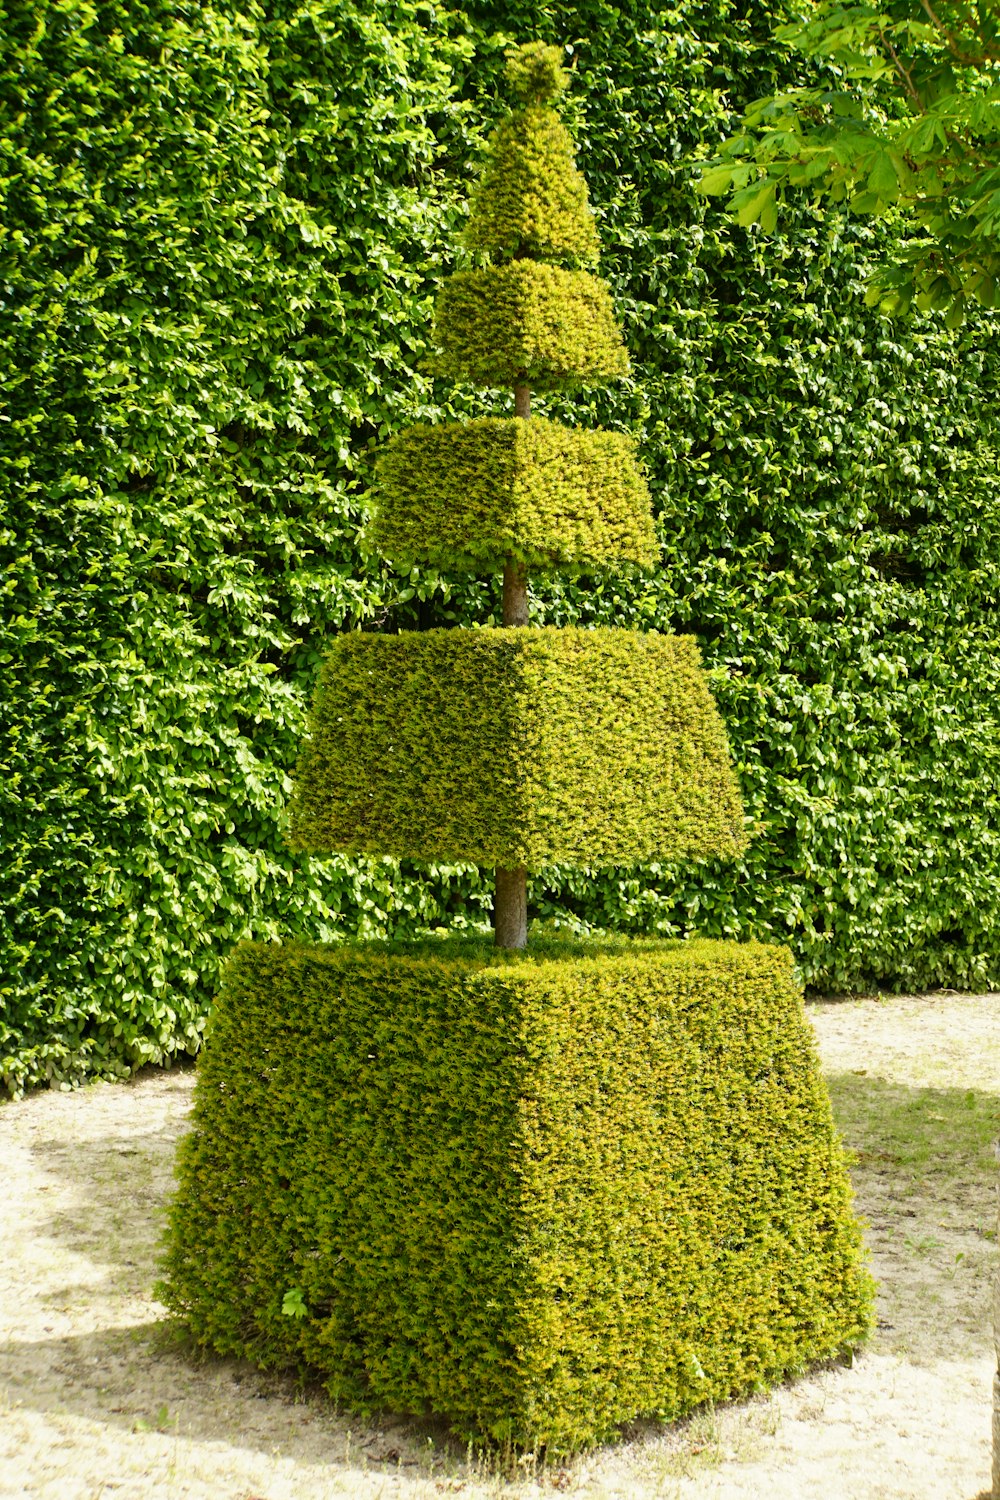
(925, 1178)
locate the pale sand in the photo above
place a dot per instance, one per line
(95, 1400)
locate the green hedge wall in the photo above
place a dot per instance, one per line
(221, 233)
(524, 747)
(188, 235)
(630, 1147)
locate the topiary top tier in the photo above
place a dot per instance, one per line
(531, 200)
(530, 318)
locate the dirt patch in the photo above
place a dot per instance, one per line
(96, 1399)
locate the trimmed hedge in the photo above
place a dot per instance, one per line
(532, 199)
(517, 747)
(190, 381)
(469, 496)
(630, 1146)
(527, 323)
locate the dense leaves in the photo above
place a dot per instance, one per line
(904, 112)
(527, 323)
(221, 233)
(189, 381)
(470, 494)
(535, 1194)
(532, 198)
(517, 747)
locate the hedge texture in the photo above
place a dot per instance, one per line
(467, 496)
(631, 1147)
(194, 381)
(527, 323)
(532, 197)
(517, 747)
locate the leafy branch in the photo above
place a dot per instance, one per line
(905, 119)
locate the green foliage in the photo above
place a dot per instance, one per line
(535, 72)
(527, 323)
(467, 496)
(203, 342)
(531, 199)
(192, 247)
(517, 747)
(629, 1145)
(292, 1305)
(903, 115)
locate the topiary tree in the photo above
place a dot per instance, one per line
(401, 772)
(538, 1191)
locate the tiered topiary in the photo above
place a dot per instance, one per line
(594, 747)
(535, 1190)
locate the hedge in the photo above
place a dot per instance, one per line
(630, 1146)
(517, 747)
(532, 198)
(467, 496)
(197, 374)
(189, 382)
(527, 323)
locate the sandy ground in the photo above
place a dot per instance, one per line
(97, 1398)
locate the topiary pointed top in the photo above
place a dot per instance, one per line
(535, 72)
(532, 199)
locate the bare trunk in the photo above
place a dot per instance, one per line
(510, 905)
(515, 594)
(510, 908)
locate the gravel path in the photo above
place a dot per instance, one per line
(97, 1399)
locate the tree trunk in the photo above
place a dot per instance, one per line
(510, 904)
(515, 594)
(510, 908)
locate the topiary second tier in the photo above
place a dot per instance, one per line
(476, 494)
(517, 748)
(528, 323)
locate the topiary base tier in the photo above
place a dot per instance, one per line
(534, 1193)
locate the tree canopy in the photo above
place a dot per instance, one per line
(903, 113)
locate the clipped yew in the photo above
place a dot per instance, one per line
(583, 747)
(535, 1189)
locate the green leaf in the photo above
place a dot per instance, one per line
(882, 179)
(716, 180)
(293, 1304)
(756, 203)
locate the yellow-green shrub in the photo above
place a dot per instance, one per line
(531, 198)
(468, 495)
(527, 323)
(536, 1194)
(517, 746)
